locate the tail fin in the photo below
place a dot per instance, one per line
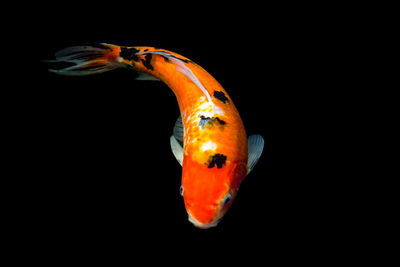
(87, 59)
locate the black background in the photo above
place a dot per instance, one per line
(105, 177)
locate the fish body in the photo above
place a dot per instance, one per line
(209, 139)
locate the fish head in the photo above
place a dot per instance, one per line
(208, 193)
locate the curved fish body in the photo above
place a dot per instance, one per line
(209, 139)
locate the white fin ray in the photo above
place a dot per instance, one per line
(255, 145)
(177, 149)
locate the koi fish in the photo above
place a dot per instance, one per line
(209, 140)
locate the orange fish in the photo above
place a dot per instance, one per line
(209, 139)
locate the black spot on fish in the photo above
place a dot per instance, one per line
(182, 59)
(207, 121)
(217, 159)
(129, 53)
(147, 62)
(221, 96)
(220, 121)
(166, 59)
(203, 121)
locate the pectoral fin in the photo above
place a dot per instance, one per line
(177, 149)
(176, 140)
(178, 132)
(255, 145)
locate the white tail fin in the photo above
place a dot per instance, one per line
(86, 59)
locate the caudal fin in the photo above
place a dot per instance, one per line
(87, 59)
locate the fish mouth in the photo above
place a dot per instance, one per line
(203, 225)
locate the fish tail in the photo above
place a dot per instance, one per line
(87, 59)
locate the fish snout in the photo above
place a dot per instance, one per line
(205, 217)
(203, 225)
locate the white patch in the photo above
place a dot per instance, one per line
(120, 59)
(219, 111)
(210, 145)
(206, 108)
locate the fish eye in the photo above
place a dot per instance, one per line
(227, 199)
(181, 190)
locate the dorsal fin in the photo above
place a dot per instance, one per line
(255, 144)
